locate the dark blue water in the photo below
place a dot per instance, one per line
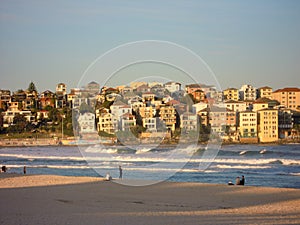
(276, 166)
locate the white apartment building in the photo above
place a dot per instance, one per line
(247, 92)
(173, 86)
(87, 123)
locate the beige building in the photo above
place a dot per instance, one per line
(61, 89)
(204, 116)
(127, 121)
(168, 115)
(12, 111)
(147, 111)
(106, 123)
(264, 92)
(248, 124)
(231, 94)
(150, 123)
(236, 106)
(136, 84)
(189, 121)
(288, 97)
(268, 125)
(261, 103)
(217, 119)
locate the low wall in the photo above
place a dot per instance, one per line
(28, 142)
(249, 140)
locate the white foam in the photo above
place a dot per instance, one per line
(295, 174)
(222, 166)
(33, 157)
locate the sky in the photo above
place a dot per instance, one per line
(242, 42)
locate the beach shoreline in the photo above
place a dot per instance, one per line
(49, 199)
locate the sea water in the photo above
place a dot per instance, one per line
(262, 165)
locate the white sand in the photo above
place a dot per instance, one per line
(43, 199)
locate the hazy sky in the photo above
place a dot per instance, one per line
(47, 42)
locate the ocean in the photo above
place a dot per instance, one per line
(262, 165)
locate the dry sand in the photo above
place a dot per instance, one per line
(41, 199)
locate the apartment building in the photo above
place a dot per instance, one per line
(190, 88)
(106, 123)
(261, 103)
(199, 106)
(285, 122)
(199, 96)
(4, 98)
(236, 106)
(264, 92)
(147, 111)
(268, 125)
(248, 126)
(127, 121)
(189, 121)
(204, 116)
(247, 92)
(288, 97)
(87, 123)
(168, 115)
(61, 89)
(217, 119)
(150, 123)
(231, 94)
(173, 86)
(12, 111)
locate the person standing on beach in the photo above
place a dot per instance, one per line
(242, 182)
(237, 181)
(4, 169)
(121, 172)
(24, 169)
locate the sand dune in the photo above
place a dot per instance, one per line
(44, 199)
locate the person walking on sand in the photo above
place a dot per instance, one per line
(121, 172)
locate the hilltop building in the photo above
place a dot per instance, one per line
(247, 92)
(288, 97)
(231, 94)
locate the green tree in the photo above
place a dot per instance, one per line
(67, 121)
(204, 133)
(32, 87)
(84, 108)
(139, 119)
(137, 130)
(107, 104)
(54, 115)
(19, 124)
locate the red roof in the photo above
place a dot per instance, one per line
(148, 93)
(288, 89)
(265, 87)
(262, 100)
(127, 115)
(173, 102)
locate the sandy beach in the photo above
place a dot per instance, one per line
(47, 199)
